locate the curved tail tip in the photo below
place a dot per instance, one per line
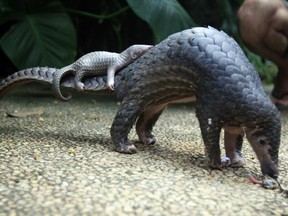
(65, 99)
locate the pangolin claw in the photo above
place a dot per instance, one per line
(128, 149)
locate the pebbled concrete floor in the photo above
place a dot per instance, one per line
(57, 159)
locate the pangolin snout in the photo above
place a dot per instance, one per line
(270, 169)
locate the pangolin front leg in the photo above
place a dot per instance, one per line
(210, 128)
(233, 147)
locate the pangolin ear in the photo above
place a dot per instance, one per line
(134, 56)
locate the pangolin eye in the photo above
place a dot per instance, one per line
(262, 141)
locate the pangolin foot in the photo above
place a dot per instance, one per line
(236, 160)
(79, 86)
(148, 138)
(216, 165)
(237, 163)
(126, 149)
(110, 86)
(225, 161)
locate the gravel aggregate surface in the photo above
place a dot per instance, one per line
(57, 159)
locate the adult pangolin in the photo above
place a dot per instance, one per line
(199, 64)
